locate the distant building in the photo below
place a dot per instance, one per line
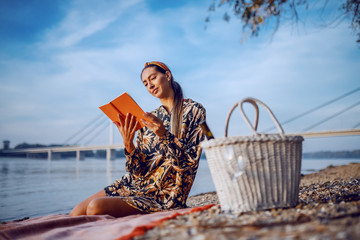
(6, 145)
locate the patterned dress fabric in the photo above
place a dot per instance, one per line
(161, 171)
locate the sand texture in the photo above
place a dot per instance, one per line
(328, 208)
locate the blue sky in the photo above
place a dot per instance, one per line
(61, 60)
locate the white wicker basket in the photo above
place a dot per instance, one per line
(255, 172)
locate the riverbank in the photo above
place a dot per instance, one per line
(328, 208)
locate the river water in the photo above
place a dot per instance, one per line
(37, 187)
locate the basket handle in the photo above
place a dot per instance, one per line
(254, 102)
(256, 120)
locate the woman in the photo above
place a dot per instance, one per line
(162, 167)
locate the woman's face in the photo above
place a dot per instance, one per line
(157, 83)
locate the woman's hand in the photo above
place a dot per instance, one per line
(156, 125)
(127, 129)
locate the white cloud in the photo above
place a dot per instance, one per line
(84, 19)
(59, 92)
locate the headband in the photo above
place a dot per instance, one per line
(160, 64)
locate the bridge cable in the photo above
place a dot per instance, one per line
(90, 131)
(332, 116)
(314, 109)
(83, 129)
(357, 125)
(97, 134)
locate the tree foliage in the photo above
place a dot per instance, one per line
(254, 13)
(352, 8)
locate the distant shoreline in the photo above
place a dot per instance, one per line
(120, 153)
(355, 154)
(330, 154)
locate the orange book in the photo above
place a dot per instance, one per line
(124, 104)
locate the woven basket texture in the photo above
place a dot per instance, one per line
(257, 172)
(252, 174)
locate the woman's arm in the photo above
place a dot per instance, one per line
(127, 129)
(186, 149)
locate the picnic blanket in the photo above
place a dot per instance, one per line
(89, 227)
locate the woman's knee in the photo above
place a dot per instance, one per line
(95, 207)
(76, 211)
(113, 206)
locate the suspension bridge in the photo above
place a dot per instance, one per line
(97, 125)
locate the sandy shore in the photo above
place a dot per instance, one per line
(328, 208)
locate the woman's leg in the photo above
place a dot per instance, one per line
(113, 206)
(81, 208)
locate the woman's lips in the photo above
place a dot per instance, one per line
(155, 91)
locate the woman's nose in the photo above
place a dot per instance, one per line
(150, 85)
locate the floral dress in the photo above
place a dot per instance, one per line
(161, 171)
